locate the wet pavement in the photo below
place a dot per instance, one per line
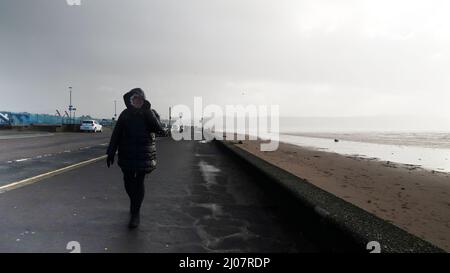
(198, 200)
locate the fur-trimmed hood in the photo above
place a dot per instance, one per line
(135, 91)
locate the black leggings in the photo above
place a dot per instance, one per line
(134, 185)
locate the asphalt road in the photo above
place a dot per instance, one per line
(27, 154)
(198, 200)
(16, 145)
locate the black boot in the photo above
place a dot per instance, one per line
(135, 220)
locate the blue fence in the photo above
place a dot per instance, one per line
(24, 119)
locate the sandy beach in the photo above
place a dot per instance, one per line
(415, 199)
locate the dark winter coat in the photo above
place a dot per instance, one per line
(134, 136)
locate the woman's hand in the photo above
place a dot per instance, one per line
(110, 160)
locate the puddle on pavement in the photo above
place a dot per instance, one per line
(209, 173)
(216, 210)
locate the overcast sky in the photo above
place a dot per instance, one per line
(313, 58)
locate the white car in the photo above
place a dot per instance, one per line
(91, 126)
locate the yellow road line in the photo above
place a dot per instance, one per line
(36, 178)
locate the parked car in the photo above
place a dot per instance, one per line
(91, 126)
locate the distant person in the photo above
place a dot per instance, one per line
(134, 136)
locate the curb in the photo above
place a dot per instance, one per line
(336, 224)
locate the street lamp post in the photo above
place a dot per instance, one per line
(70, 103)
(170, 116)
(115, 110)
(181, 129)
(203, 135)
(170, 121)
